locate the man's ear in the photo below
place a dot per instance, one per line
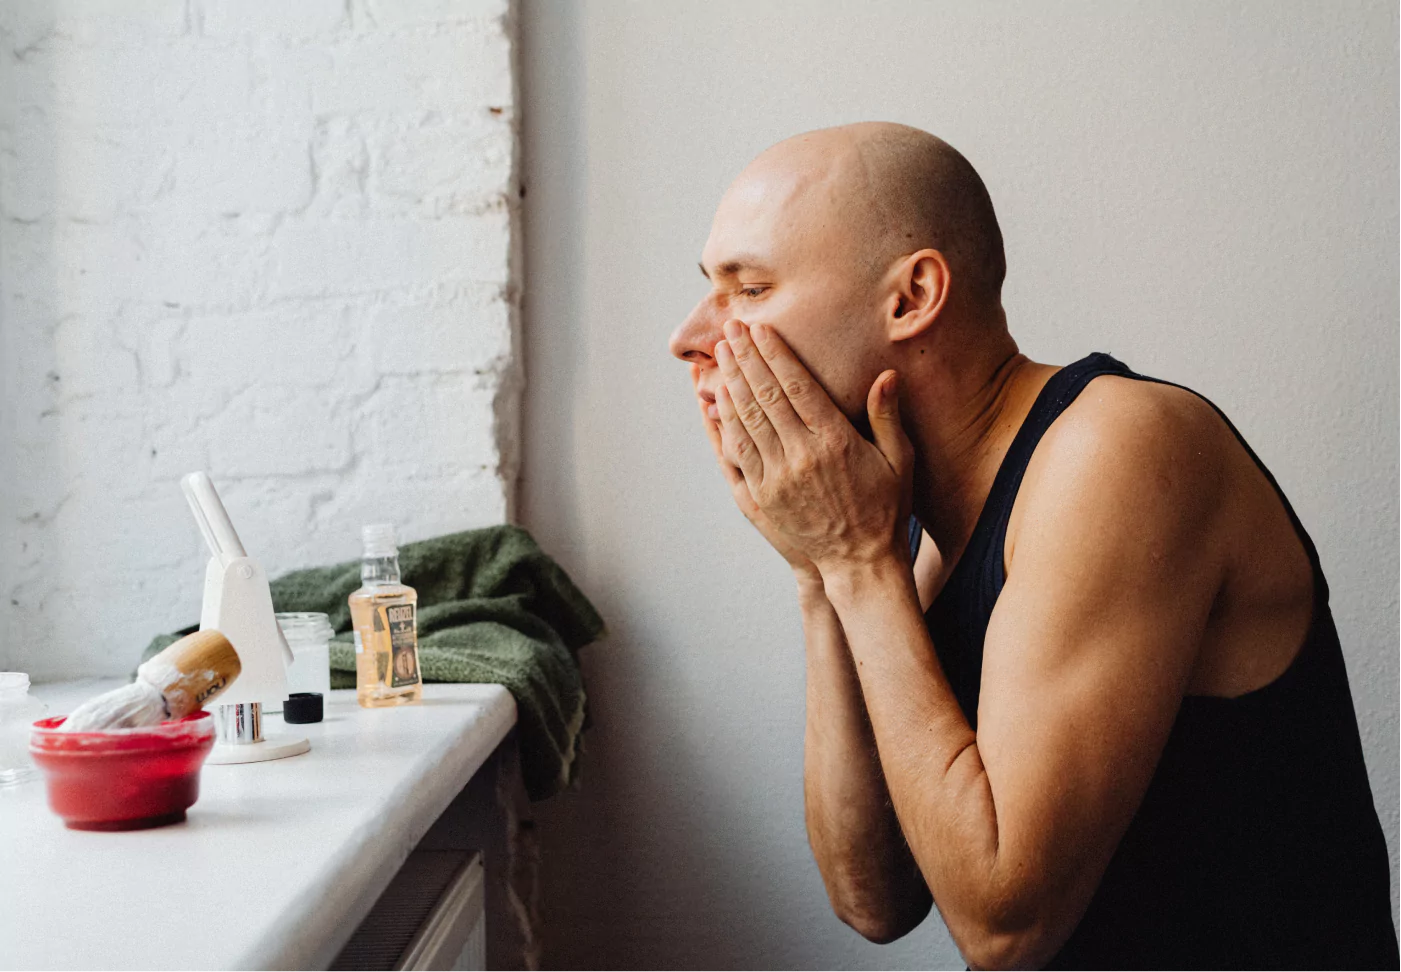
(920, 288)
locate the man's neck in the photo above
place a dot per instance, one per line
(961, 431)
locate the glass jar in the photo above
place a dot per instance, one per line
(308, 634)
(18, 712)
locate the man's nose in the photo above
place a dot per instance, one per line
(695, 339)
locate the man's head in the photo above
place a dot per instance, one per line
(859, 245)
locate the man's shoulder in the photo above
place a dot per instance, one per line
(1133, 411)
(1135, 421)
(1142, 448)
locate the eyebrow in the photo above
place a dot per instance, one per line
(732, 267)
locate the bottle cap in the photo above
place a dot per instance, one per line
(379, 540)
(303, 707)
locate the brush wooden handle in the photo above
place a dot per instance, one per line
(192, 671)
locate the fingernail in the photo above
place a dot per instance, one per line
(759, 332)
(722, 351)
(732, 330)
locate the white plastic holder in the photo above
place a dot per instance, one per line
(238, 604)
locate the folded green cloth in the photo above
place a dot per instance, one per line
(492, 607)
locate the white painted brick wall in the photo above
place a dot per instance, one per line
(273, 239)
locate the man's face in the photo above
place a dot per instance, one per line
(777, 255)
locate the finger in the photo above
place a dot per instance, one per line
(739, 448)
(711, 426)
(733, 477)
(883, 407)
(809, 400)
(746, 407)
(763, 384)
(712, 432)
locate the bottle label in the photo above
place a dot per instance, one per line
(403, 644)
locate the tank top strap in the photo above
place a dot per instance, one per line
(1055, 397)
(963, 608)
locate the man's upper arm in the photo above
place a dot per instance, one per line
(1110, 581)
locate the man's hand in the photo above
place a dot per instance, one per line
(828, 494)
(802, 566)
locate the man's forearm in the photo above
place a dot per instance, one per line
(928, 751)
(871, 877)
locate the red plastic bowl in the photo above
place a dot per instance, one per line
(125, 779)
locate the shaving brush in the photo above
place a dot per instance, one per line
(170, 685)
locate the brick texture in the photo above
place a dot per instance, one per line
(276, 241)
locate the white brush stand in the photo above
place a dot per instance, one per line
(238, 604)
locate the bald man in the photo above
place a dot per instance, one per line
(1072, 675)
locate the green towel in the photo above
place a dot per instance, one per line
(492, 607)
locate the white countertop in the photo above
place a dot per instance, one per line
(277, 861)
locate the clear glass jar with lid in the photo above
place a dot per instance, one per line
(308, 634)
(18, 712)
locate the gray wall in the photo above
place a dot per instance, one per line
(1209, 191)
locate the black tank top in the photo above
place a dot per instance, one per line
(1257, 844)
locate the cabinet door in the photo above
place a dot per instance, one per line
(432, 916)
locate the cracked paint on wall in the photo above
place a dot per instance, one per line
(277, 242)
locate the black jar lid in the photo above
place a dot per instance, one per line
(303, 707)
